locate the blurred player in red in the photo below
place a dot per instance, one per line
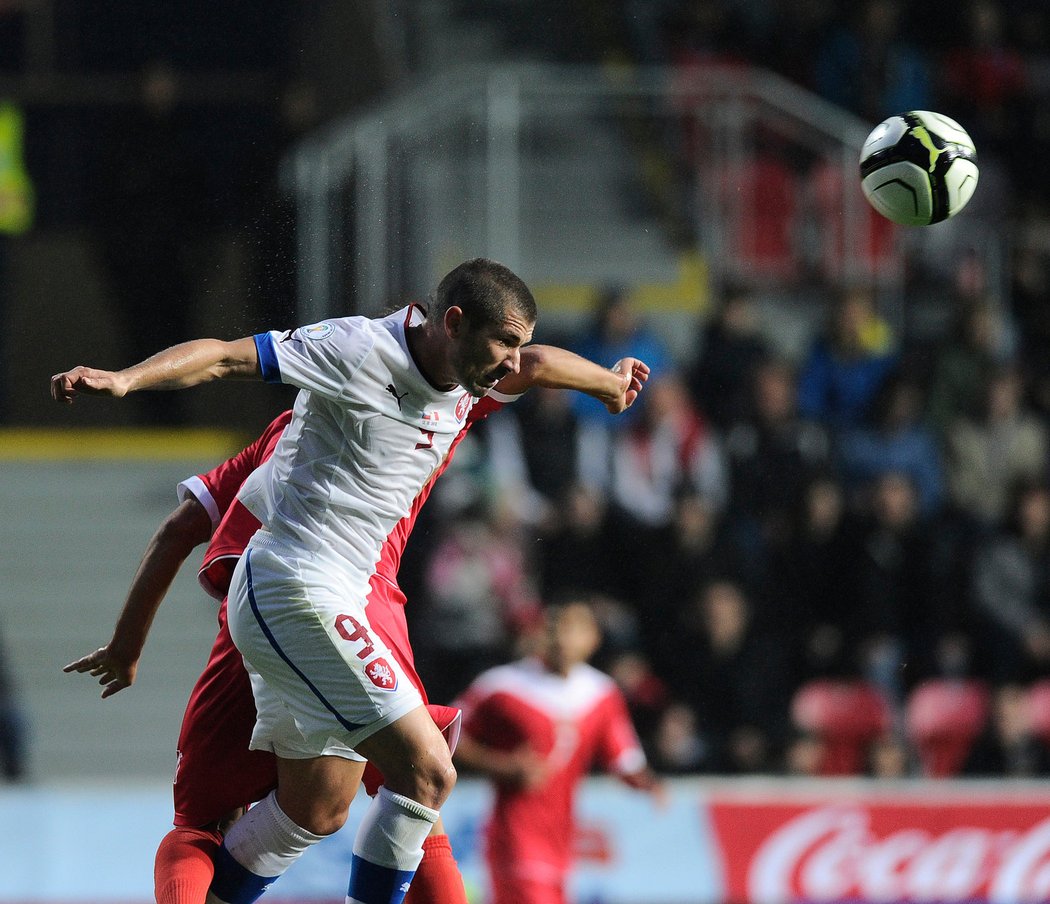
(536, 727)
(217, 776)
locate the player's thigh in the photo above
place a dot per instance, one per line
(413, 756)
(216, 729)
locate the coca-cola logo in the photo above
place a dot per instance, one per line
(837, 853)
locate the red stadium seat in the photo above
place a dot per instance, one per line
(826, 194)
(847, 716)
(943, 718)
(1039, 708)
(760, 197)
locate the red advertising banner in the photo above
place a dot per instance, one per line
(924, 847)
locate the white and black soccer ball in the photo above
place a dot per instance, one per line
(918, 168)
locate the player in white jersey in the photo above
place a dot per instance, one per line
(382, 405)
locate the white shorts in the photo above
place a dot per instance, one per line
(322, 680)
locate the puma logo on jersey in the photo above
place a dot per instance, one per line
(392, 389)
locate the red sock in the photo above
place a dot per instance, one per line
(183, 869)
(437, 880)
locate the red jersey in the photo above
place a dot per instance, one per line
(233, 525)
(574, 722)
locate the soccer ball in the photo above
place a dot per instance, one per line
(918, 168)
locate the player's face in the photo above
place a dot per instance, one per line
(484, 355)
(572, 637)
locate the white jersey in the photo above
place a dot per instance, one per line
(367, 433)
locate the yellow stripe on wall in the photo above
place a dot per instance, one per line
(689, 292)
(118, 443)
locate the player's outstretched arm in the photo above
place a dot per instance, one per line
(116, 664)
(178, 367)
(557, 368)
(521, 768)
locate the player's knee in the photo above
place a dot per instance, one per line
(319, 814)
(428, 781)
(324, 817)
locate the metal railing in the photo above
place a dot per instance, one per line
(524, 163)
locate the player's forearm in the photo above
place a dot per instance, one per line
(492, 763)
(558, 368)
(192, 363)
(187, 527)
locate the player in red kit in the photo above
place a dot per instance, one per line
(536, 727)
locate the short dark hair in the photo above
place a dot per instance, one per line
(484, 290)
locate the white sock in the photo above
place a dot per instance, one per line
(388, 848)
(259, 847)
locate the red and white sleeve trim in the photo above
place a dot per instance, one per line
(195, 488)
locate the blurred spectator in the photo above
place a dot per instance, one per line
(732, 674)
(12, 35)
(575, 551)
(1030, 294)
(615, 332)
(668, 452)
(988, 453)
(808, 22)
(896, 616)
(150, 203)
(965, 362)
(871, 66)
(1011, 589)
(478, 597)
(896, 442)
(811, 584)
(847, 364)
(688, 553)
(648, 23)
(985, 80)
(668, 449)
(889, 758)
(1008, 747)
(678, 746)
(730, 352)
(542, 470)
(772, 454)
(804, 755)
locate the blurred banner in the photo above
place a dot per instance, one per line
(748, 840)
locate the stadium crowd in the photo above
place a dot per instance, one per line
(870, 515)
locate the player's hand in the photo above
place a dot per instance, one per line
(113, 670)
(66, 386)
(633, 374)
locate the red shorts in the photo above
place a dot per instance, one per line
(216, 772)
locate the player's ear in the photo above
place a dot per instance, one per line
(454, 321)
